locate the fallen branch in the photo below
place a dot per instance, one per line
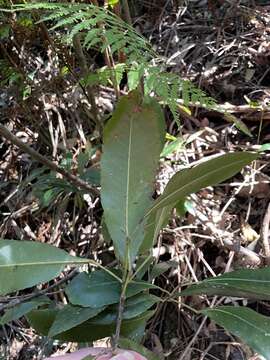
(248, 112)
(45, 291)
(48, 163)
(265, 233)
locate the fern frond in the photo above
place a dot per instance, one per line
(100, 27)
(66, 21)
(92, 38)
(85, 18)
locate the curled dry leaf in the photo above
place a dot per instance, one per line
(100, 354)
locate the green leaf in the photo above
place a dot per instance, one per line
(133, 140)
(181, 208)
(4, 31)
(134, 74)
(154, 223)
(71, 316)
(92, 176)
(264, 147)
(100, 288)
(248, 283)
(186, 182)
(134, 307)
(238, 123)
(26, 263)
(246, 324)
(128, 344)
(67, 162)
(208, 173)
(20, 310)
(95, 289)
(173, 147)
(112, 2)
(90, 330)
(137, 305)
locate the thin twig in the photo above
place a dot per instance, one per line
(187, 349)
(90, 91)
(23, 299)
(48, 163)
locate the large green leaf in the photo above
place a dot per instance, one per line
(133, 140)
(22, 309)
(26, 263)
(99, 288)
(90, 330)
(249, 283)
(186, 182)
(208, 173)
(71, 316)
(247, 324)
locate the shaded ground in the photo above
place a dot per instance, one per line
(225, 50)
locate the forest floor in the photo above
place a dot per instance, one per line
(224, 48)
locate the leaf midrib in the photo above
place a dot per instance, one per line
(216, 281)
(128, 178)
(43, 263)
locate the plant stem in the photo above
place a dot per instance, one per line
(48, 163)
(84, 71)
(120, 312)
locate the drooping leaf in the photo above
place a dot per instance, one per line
(26, 263)
(71, 316)
(129, 344)
(247, 324)
(20, 310)
(99, 288)
(133, 140)
(248, 283)
(90, 330)
(208, 173)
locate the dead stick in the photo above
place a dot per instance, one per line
(265, 232)
(48, 163)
